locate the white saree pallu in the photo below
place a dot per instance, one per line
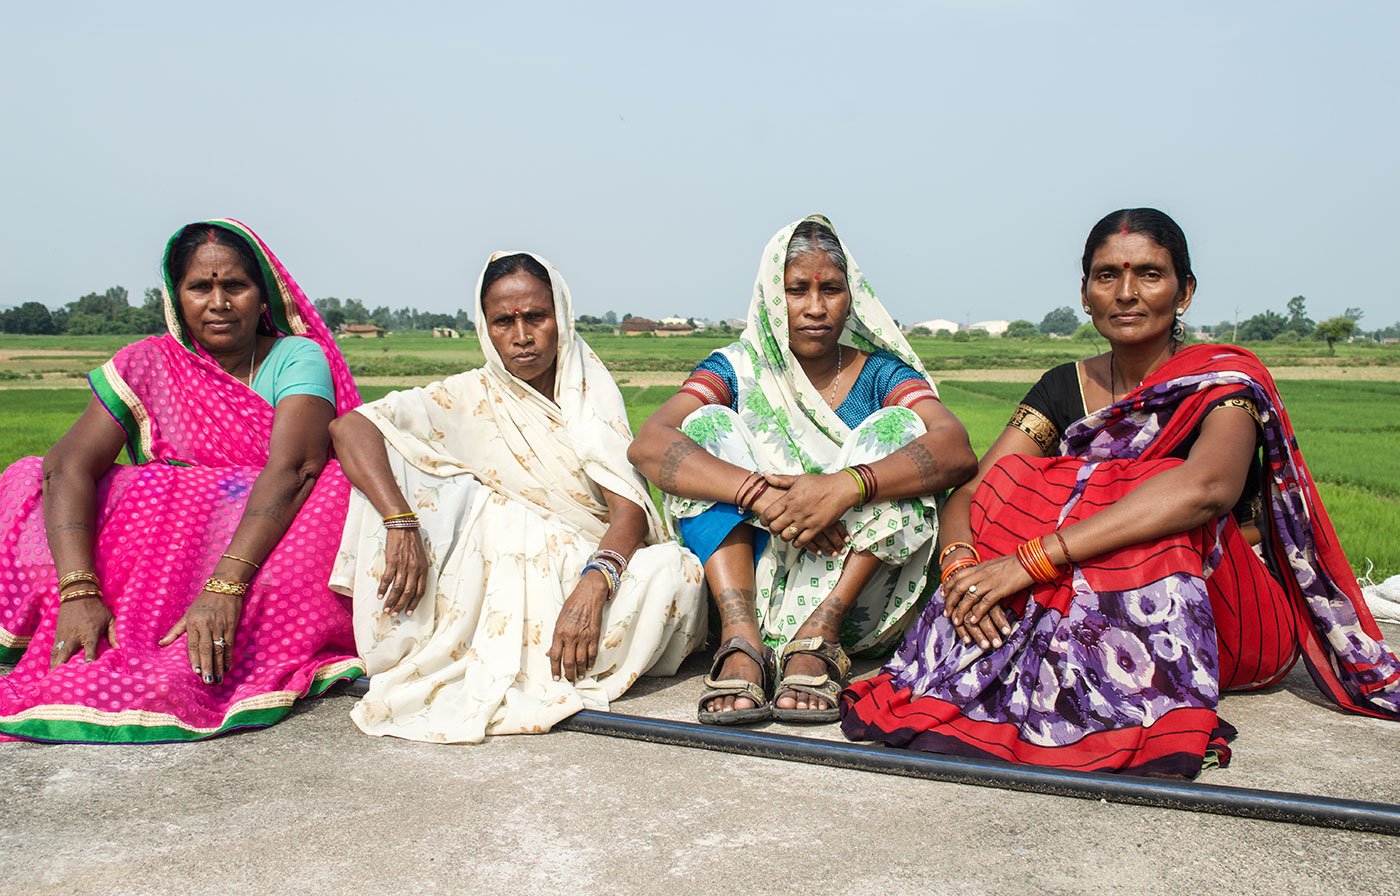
(508, 490)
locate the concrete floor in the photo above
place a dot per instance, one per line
(313, 806)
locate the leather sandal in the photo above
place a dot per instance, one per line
(760, 693)
(825, 686)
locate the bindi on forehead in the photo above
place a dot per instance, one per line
(1127, 265)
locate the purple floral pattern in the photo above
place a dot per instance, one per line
(1118, 659)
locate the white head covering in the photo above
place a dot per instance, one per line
(554, 455)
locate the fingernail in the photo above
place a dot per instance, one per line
(972, 619)
(197, 670)
(208, 679)
(218, 679)
(556, 678)
(983, 644)
(996, 642)
(1006, 629)
(409, 613)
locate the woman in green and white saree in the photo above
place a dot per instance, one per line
(820, 426)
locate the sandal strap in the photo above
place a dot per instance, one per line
(763, 659)
(826, 688)
(732, 687)
(829, 652)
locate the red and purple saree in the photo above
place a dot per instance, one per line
(197, 439)
(1119, 665)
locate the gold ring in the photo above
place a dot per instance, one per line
(790, 532)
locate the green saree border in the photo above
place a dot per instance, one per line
(103, 387)
(67, 731)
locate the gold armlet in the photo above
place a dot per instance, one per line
(1036, 425)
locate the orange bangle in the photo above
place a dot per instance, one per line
(1047, 566)
(954, 567)
(1036, 562)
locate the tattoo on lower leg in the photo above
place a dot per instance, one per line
(925, 462)
(736, 606)
(828, 616)
(671, 462)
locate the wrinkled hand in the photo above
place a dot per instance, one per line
(976, 614)
(579, 628)
(208, 626)
(81, 626)
(814, 503)
(405, 572)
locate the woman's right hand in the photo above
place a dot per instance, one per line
(405, 572)
(82, 623)
(832, 541)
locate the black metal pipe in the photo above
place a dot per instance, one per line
(1242, 802)
(1268, 805)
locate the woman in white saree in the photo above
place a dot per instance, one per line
(507, 564)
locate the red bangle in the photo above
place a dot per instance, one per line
(744, 487)
(954, 567)
(757, 493)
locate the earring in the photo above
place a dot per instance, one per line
(1180, 311)
(1086, 310)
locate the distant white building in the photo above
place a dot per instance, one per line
(933, 326)
(993, 327)
(675, 321)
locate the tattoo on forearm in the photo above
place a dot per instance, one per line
(69, 527)
(671, 462)
(925, 462)
(736, 606)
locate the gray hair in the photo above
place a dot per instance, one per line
(811, 236)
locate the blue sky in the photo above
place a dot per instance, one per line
(963, 149)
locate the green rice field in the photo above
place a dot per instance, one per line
(1349, 430)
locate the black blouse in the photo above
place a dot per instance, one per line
(1057, 400)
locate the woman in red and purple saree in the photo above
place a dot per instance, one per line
(1109, 574)
(184, 595)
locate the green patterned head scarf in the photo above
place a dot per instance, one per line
(868, 327)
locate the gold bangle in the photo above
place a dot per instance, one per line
(82, 575)
(400, 516)
(224, 586)
(74, 595)
(240, 560)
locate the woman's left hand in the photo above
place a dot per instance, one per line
(208, 625)
(972, 598)
(810, 510)
(578, 629)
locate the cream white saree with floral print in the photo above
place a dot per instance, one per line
(507, 487)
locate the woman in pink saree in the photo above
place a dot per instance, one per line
(184, 595)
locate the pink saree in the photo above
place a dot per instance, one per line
(197, 438)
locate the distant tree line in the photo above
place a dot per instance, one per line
(352, 311)
(112, 312)
(104, 312)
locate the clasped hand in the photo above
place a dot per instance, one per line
(806, 510)
(972, 599)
